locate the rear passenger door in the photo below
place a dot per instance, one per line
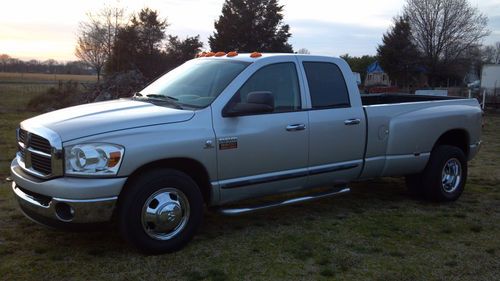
(336, 123)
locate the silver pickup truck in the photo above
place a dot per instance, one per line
(221, 129)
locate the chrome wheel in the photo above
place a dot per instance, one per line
(451, 175)
(165, 213)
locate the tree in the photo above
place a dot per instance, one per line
(91, 47)
(97, 37)
(4, 58)
(151, 30)
(398, 55)
(359, 64)
(109, 19)
(443, 30)
(51, 65)
(488, 54)
(303, 51)
(491, 53)
(497, 52)
(138, 45)
(251, 25)
(178, 51)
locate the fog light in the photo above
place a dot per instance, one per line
(64, 212)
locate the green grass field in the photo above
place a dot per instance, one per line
(43, 77)
(374, 233)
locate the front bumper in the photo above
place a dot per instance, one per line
(474, 150)
(65, 200)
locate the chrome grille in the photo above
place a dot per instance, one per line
(22, 135)
(40, 144)
(41, 164)
(37, 155)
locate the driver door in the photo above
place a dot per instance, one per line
(264, 153)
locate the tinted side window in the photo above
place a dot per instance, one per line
(280, 79)
(326, 85)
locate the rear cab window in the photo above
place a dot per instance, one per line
(327, 85)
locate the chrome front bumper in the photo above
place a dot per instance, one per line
(65, 200)
(64, 210)
(474, 150)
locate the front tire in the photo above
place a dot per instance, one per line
(445, 175)
(160, 211)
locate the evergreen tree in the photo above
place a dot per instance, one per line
(398, 56)
(251, 25)
(178, 51)
(138, 46)
(151, 30)
(359, 64)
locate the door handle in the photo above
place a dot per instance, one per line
(353, 121)
(296, 127)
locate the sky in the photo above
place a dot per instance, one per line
(48, 29)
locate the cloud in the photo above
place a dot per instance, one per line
(494, 27)
(322, 37)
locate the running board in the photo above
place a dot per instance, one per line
(251, 209)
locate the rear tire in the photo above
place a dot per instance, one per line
(445, 175)
(160, 211)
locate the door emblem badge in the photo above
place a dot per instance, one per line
(228, 143)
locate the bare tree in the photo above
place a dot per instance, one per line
(303, 51)
(91, 47)
(488, 54)
(110, 19)
(4, 58)
(97, 37)
(497, 53)
(444, 29)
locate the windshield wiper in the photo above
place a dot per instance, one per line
(161, 97)
(158, 98)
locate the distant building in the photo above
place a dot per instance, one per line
(490, 84)
(375, 76)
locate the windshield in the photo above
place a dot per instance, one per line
(196, 83)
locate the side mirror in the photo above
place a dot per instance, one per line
(257, 103)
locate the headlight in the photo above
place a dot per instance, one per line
(93, 159)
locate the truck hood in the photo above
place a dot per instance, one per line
(101, 117)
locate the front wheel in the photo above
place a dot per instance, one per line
(445, 175)
(160, 211)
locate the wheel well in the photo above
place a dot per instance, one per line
(457, 137)
(191, 167)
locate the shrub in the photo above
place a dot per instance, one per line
(67, 94)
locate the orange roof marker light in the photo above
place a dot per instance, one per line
(220, 54)
(232, 54)
(255, 55)
(210, 54)
(202, 54)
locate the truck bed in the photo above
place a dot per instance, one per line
(402, 129)
(374, 99)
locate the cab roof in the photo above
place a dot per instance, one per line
(246, 57)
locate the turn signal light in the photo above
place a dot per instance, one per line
(114, 158)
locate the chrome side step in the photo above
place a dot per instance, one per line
(251, 209)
